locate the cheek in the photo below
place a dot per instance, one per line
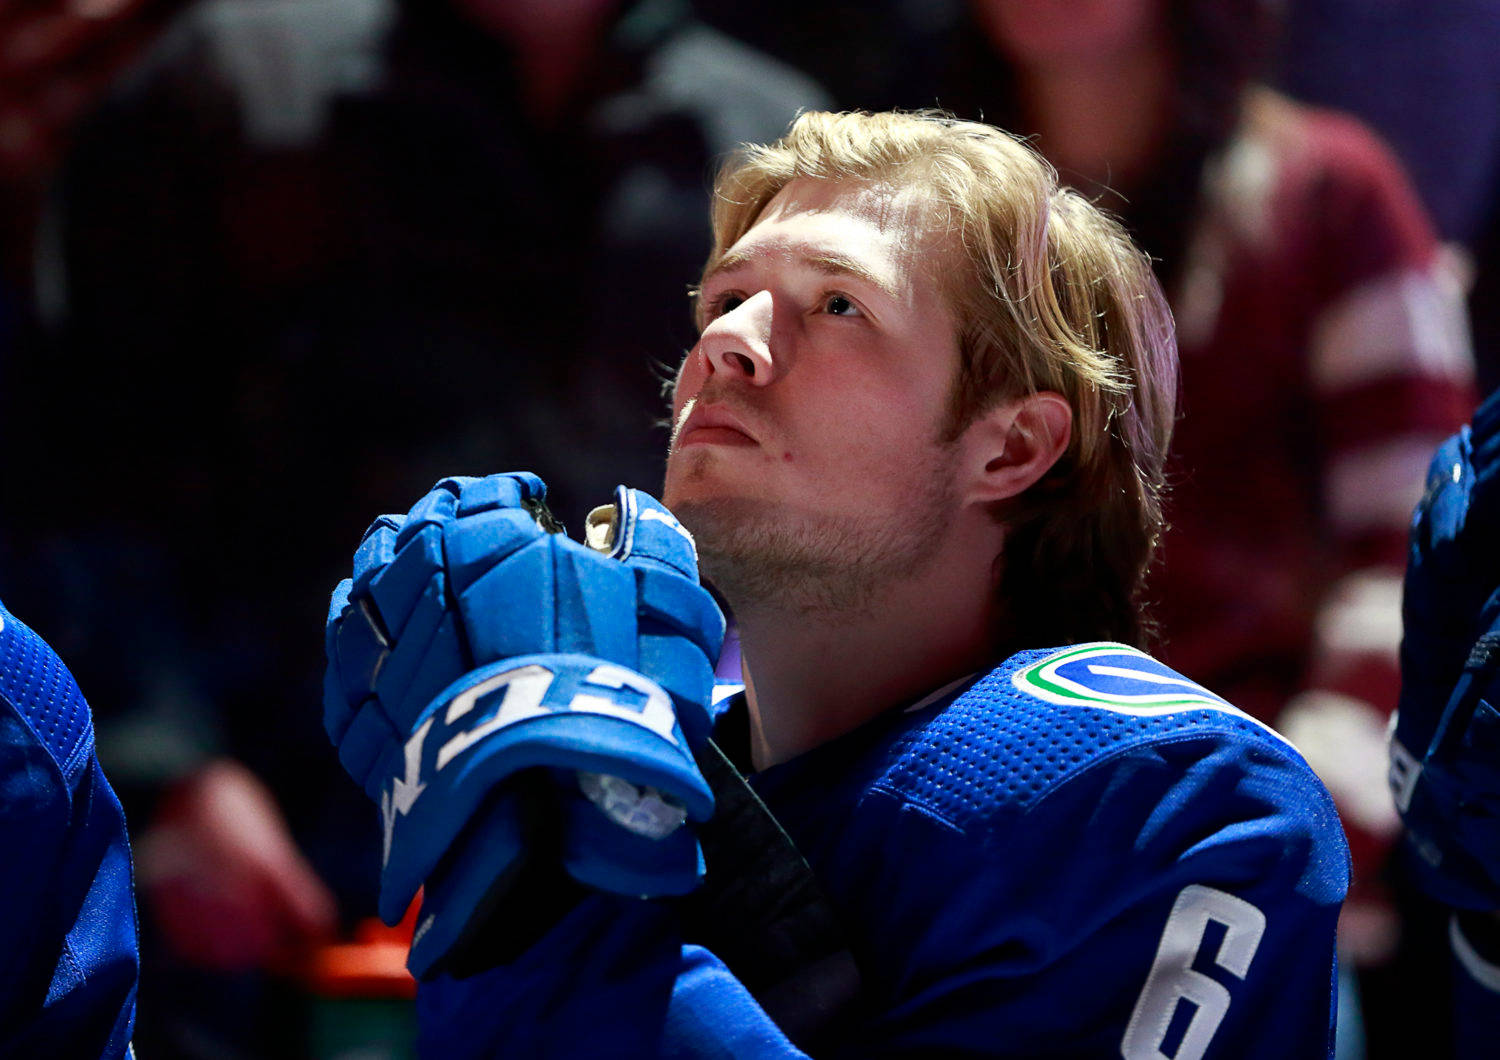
(876, 436)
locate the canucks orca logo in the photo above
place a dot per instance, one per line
(1115, 677)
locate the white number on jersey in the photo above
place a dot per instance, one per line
(1173, 978)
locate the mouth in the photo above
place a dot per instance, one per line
(710, 425)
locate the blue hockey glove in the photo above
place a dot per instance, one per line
(474, 643)
(1445, 747)
(392, 639)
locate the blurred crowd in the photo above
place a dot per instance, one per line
(271, 267)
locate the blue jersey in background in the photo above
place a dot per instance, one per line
(68, 952)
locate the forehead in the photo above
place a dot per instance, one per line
(882, 224)
(893, 211)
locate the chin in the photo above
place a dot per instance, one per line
(691, 480)
(708, 516)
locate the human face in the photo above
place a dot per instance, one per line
(805, 450)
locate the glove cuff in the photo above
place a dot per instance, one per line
(565, 711)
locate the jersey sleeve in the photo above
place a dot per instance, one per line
(68, 953)
(1214, 879)
(614, 978)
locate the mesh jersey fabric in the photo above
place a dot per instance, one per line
(68, 952)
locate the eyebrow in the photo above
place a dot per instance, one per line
(832, 264)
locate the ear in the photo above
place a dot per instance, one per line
(1009, 447)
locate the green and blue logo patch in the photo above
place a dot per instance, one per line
(1113, 677)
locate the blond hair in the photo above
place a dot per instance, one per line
(1056, 297)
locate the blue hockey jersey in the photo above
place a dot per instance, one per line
(68, 956)
(1081, 853)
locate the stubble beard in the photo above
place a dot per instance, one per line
(765, 556)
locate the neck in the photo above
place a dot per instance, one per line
(813, 676)
(1104, 120)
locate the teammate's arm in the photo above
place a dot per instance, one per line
(1445, 745)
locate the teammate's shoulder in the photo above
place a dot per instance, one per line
(1044, 717)
(42, 705)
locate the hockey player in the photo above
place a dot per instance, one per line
(919, 444)
(1445, 744)
(68, 953)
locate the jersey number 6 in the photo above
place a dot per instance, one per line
(1173, 977)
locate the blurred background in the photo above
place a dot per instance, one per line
(271, 267)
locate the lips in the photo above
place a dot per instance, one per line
(713, 425)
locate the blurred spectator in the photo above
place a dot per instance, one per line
(1324, 355)
(1484, 298)
(57, 58)
(869, 54)
(286, 206)
(1424, 74)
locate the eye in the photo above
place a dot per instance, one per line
(840, 306)
(720, 304)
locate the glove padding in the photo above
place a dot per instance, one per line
(1445, 746)
(475, 642)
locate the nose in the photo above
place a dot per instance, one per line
(738, 343)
